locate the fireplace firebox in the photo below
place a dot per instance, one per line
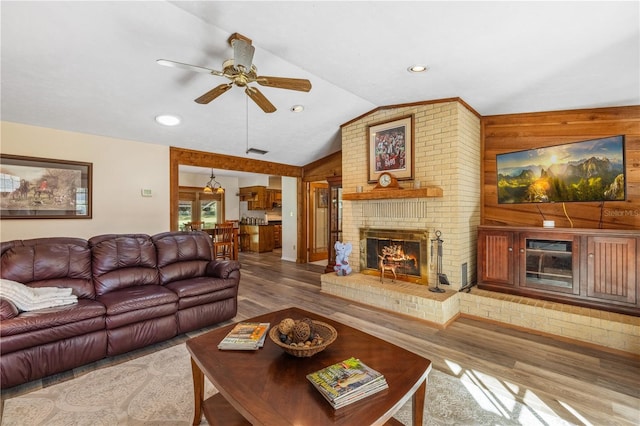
(405, 249)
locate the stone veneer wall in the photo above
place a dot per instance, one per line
(446, 154)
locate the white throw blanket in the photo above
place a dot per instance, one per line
(31, 298)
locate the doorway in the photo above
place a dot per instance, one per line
(318, 219)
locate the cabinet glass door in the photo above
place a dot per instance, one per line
(335, 218)
(548, 264)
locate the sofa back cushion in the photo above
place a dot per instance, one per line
(182, 255)
(121, 261)
(49, 262)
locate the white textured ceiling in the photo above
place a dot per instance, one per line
(90, 66)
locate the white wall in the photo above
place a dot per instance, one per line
(121, 168)
(255, 180)
(289, 218)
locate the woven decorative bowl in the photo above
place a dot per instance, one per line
(326, 331)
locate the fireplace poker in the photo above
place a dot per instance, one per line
(441, 278)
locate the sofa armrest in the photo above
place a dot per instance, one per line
(222, 268)
(7, 309)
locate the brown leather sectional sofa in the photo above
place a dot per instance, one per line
(133, 290)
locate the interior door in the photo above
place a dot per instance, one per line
(318, 220)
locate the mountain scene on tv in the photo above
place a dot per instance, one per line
(582, 171)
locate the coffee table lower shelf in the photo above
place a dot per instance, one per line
(219, 412)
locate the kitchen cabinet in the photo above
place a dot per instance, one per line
(255, 196)
(277, 236)
(257, 238)
(587, 267)
(260, 198)
(274, 198)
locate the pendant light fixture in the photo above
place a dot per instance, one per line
(213, 186)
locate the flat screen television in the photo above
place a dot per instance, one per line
(591, 170)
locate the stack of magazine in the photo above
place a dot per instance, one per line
(347, 382)
(245, 336)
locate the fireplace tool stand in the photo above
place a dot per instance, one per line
(441, 278)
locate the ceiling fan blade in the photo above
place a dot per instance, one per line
(174, 64)
(285, 83)
(242, 54)
(213, 93)
(260, 99)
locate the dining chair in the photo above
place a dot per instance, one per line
(223, 241)
(196, 226)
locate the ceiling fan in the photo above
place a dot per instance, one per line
(241, 71)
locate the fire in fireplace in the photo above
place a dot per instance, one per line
(405, 251)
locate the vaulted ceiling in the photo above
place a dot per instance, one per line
(91, 66)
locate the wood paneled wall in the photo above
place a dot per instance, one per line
(323, 168)
(516, 132)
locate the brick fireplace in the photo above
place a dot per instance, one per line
(446, 155)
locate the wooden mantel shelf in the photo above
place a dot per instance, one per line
(382, 194)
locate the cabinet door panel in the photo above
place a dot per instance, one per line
(496, 257)
(611, 269)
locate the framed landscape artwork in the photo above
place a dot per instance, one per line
(41, 188)
(391, 149)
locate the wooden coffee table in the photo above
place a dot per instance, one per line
(269, 387)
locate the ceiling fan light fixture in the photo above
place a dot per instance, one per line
(417, 69)
(241, 72)
(168, 120)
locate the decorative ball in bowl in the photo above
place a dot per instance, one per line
(302, 338)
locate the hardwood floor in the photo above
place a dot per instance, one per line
(581, 384)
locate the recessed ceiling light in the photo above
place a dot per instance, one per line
(168, 120)
(297, 108)
(418, 68)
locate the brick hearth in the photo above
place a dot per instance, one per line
(406, 298)
(617, 332)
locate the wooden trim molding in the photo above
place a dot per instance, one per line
(189, 157)
(382, 194)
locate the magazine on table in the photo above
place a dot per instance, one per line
(245, 336)
(347, 381)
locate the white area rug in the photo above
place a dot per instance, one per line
(156, 389)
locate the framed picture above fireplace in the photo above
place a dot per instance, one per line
(391, 148)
